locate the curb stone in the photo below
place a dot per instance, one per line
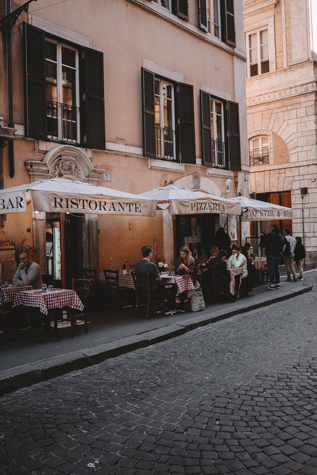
(27, 375)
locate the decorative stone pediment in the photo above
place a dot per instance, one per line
(67, 161)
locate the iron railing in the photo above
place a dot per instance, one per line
(165, 143)
(259, 157)
(62, 121)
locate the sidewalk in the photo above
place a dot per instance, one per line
(38, 356)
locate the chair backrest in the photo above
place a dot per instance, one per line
(82, 288)
(142, 282)
(112, 279)
(90, 274)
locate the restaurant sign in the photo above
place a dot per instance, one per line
(204, 206)
(12, 202)
(252, 214)
(87, 204)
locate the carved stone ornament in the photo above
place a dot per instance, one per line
(67, 167)
(67, 161)
(196, 181)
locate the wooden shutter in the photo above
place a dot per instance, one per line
(92, 99)
(207, 154)
(202, 15)
(186, 123)
(180, 8)
(148, 93)
(234, 136)
(227, 22)
(35, 81)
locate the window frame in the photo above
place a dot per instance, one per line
(261, 158)
(90, 89)
(59, 86)
(215, 115)
(162, 81)
(225, 22)
(260, 61)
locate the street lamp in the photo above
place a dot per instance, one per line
(303, 191)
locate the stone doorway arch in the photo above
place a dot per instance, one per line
(75, 164)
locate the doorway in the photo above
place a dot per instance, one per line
(197, 232)
(64, 248)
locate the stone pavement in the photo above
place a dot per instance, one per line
(237, 396)
(38, 356)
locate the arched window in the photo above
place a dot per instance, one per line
(259, 151)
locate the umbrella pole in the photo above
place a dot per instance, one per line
(240, 231)
(62, 220)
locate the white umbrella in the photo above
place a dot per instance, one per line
(256, 210)
(188, 201)
(63, 196)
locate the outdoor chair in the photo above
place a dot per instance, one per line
(144, 297)
(90, 274)
(212, 288)
(75, 317)
(118, 296)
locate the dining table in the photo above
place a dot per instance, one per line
(46, 300)
(259, 263)
(8, 294)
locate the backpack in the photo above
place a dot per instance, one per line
(197, 301)
(287, 248)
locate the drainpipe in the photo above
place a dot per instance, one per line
(10, 100)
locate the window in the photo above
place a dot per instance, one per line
(168, 119)
(258, 53)
(165, 144)
(220, 132)
(217, 17)
(178, 7)
(259, 151)
(64, 99)
(62, 87)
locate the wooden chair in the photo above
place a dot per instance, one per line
(144, 296)
(5, 317)
(83, 289)
(212, 289)
(90, 274)
(119, 296)
(264, 275)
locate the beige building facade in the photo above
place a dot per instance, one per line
(281, 47)
(127, 94)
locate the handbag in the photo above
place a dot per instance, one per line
(197, 302)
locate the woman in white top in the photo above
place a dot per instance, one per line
(237, 259)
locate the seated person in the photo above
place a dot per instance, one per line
(28, 272)
(185, 265)
(218, 263)
(168, 289)
(237, 260)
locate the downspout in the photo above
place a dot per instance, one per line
(10, 95)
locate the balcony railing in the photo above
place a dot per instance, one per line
(259, 157)
(62, 122)
(218, 149)
(165, 143)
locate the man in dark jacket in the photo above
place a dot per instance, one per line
(273, 247)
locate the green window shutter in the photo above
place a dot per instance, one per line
(92, 99)
(202, 15)
(148, 114)
(186, 123)
(35, 82)
(234, 136)
(227, 22)
(207, 151)
(180, 8)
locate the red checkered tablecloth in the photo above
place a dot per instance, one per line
(233, 272)
(259, 263)
(46, 300)
(184, 283)
(126, 281)
(7, 294)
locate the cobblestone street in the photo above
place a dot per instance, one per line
(236, 397)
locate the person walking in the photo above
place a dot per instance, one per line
(273, 247)
(299, 256)
(288, 255)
